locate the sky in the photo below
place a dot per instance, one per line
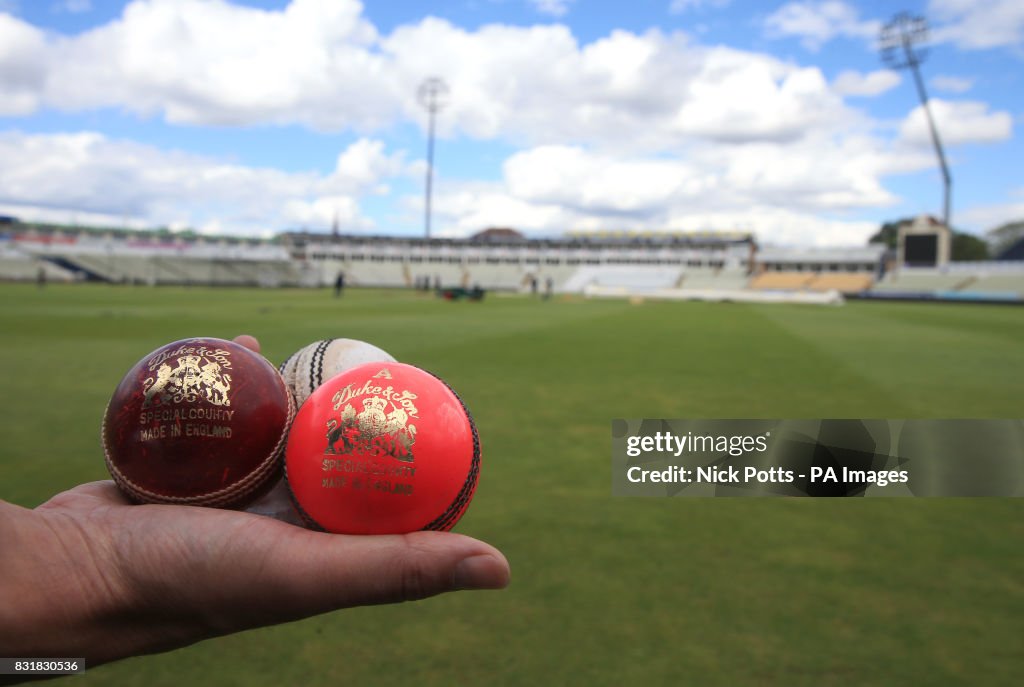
(253, 117)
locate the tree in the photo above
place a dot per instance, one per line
(889, 232)
(968, 248)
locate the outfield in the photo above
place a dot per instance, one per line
(605, 590)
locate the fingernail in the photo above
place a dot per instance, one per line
(480, 572)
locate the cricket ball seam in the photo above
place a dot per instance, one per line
(458, 506)
(284, 366)
(306, 517)
(316, 365)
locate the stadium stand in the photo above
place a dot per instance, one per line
(504, 260)
(843, 282)
(1002, 284)
(16, 265)
(781, 281)
(850, 270)
(918, 280)
(373, 273)
(149, 258)
(498, 276)
(679, 266)
(996, 281)
(634, 278)
(861, 259)
(722, 280)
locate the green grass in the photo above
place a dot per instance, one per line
(605, 590)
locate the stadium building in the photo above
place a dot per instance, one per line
(695, 265)
(502, 259)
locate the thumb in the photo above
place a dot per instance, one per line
(284, 573)
(358, 570)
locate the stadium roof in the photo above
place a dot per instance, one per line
(870, 253)
(1015, 251)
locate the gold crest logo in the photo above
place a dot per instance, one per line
(381, 428)
(193, 376)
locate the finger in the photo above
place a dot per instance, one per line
(93, 493)
(315, 573)
(270, 572)
(387, 569)
(248, 341)
(103, 490)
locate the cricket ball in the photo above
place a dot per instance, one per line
(198, 422)
(383, 448)
(312, 365)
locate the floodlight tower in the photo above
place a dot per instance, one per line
(900, 43)
(432, 95)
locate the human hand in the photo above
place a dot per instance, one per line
(89, 574)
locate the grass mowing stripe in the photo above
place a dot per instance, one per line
(605, 590)
(913, 363)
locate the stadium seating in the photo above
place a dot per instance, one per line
(919, 281)
(781, 281)
(723, 280)
(559, 274)
(843, 282)
(633, 277)
(504, 277)
(380, 274)
(121, 268)
(708, 268)
(16, 266)
(449, 274)
(998, 284)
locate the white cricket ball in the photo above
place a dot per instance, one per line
(312, 365)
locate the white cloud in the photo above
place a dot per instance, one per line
(741, 97)
(319, 63)
(468, 208)
(645, 128)
(598, 184)
(952, 84)
(467, 211)
(817, 23)
(323, 211)
(202, 62)
(365, 163)
(536, 85)
(87, 174)
(980, 218)
(74, 217)
(23, 55)
(555, 8)
(979, 25)
(958, 122)
(874, 83)
(785, 194)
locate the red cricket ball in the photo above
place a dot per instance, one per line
(198, 422)
(383, 448)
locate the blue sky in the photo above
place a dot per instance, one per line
(256, 116)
